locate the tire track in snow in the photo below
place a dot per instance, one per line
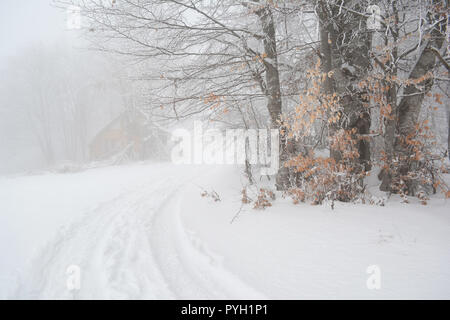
(133, 247)
(104, 245)
(191, 270)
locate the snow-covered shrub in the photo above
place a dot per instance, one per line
(323, 178)
(211, 194)
(260, 197)
(417, 168)
(264, 199)
(339, 174)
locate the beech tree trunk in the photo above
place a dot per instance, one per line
(274, 102)
(448, 137)
(410, 106)
(344, 49)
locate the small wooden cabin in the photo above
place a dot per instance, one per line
(131, 136)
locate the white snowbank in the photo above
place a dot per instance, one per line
(312, 252)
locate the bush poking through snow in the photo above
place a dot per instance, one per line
(297, 195)
(245, 198)
(213, 195)
(377, 201)
(264, 199)
(423, 198)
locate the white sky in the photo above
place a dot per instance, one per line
(27, 22)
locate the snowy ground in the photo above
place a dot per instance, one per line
(144, 231)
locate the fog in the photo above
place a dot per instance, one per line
(25, 22)
(224, 149)
(56, 94)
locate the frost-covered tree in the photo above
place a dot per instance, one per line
(211, 57)
(245, 63)
(55, 99)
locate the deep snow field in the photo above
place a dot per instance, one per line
(144, 231)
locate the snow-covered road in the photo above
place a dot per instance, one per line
(143, 231)
(111, 246)
(133, 246)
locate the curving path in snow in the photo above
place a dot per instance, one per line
(133, 247)
(144, 232)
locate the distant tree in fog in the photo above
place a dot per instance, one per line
(65, 95)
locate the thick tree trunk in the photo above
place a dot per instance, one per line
(410, 105)
(344, 49)
(389, 138)
(413, 96)
(448, 137)
(274, 103)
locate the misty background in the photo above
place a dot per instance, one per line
(55, 94)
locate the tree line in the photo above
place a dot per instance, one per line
(353, 88)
